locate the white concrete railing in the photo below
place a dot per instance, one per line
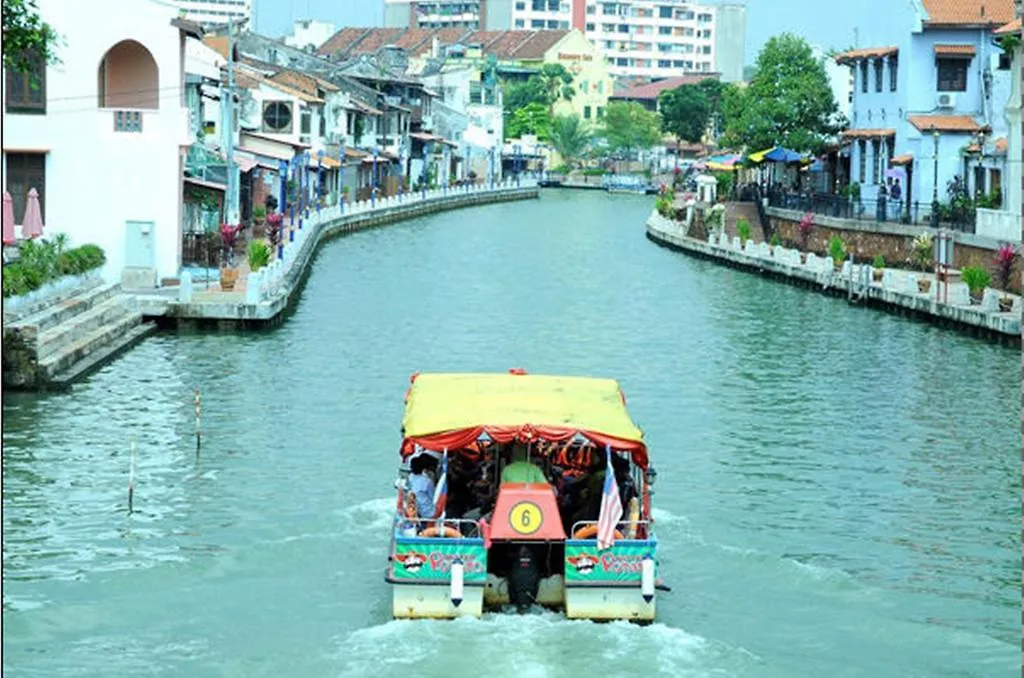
(825, 271)
(269, 281)
(997, 224)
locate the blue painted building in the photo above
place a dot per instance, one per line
(929, 98)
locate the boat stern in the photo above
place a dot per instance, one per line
(613, 583)
(437, 578)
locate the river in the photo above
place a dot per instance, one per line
(838, 490)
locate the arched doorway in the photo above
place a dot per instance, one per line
(128, 77)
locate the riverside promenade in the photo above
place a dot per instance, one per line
(897, 292)
(263, 297)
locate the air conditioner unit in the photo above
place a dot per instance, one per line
(946, 100)
(278, 117)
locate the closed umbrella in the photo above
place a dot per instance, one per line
(32, 224)
(8, 219)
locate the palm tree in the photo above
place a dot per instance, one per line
(570, 136)
(557, 83)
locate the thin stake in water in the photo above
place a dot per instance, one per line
(199, 407)
(131, 478)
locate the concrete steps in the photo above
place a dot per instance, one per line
(66, 337)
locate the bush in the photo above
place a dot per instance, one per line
(1005, 258)
(775, 241)
(922, 248)
(837, 249)
(259, 255)
(594, 172)
(743, 229)
(41, 262)
(977, 278)
(879, 261)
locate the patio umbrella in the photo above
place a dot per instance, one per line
(32, 224)
(776, 154)
(8, 219)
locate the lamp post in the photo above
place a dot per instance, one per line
(341, 178)
(282, 171)
(307, 191)
(373, 178)
(518, 159)
(423, 176)
(319, 179)
(935, 179)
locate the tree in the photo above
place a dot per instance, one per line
(630, 126)
(570, 137)
(557, 82)
(789, 101)
(685, 112)
(26, 37)
(521, 94)
(530, 119)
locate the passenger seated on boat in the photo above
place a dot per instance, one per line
(519, 470)
(422, 485)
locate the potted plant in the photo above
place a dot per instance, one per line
(774, 243)
(1006, 257)
(743, 230)
(879, 268)
(259, 255)
(837, 250)
(804, 228)
(922, 259)
(228, 271)
(259, 214)
(274, 227)
(977, 279)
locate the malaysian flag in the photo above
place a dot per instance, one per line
(611, 508)
(441, 491)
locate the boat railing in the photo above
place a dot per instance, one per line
(642, 527)
(415, 527)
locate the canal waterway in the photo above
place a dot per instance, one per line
(838, 489)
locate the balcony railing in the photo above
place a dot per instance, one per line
(881, 210)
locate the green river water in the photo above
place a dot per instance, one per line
(838, 489)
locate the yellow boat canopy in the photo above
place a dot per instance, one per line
(451, 411)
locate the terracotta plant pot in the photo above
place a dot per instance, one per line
(1005, 304)
(924, 286)
(877, 274)
(228, 276)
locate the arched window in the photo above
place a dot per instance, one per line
(128, 77)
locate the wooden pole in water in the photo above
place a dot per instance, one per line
(199, 407)
(131, 478)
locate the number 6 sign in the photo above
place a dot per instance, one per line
(525, 517)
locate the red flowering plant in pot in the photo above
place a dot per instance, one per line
(1006, 258)
(274, 228)
(228, 238)
(804, 228)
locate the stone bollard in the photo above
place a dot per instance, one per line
(889, 279)
(185, 289)
(958, 294)
(812, 261)
(252, 287)
(736, 243)
(990, 300)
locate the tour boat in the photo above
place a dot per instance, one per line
(517, 490)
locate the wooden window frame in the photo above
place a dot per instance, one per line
(951, 84)
(35, 178)
(18, 88)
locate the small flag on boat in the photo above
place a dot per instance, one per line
(611, 508)
(441, 491)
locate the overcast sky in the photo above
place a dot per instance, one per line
(765, 18)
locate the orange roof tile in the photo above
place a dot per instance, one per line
(866, 53)
(955, 50)
(651, 90)
(1001, 144)
(968, 12)
(342, 41)
(868, 133)
(904, 159)
(1011, 28)
(537, 45)
(218, 43)
(944, 123)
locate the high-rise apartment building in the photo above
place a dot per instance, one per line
(215, 11)
(651, 38)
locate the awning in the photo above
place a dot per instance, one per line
(900, 160)
(245, 161)
(205, 184)
(866, 53)
(269, 159)
(355, 105)
(964, 51)
(1012, 28)
(868, 133)
(453, 410)
(945, 123)
(327, 162)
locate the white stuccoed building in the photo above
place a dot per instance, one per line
(103, 137)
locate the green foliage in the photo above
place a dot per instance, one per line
(630, 126)
(665, 203)
(1009, 43)
(26, 36)
(518, 95)
(775, 241)
(259, 212)
(922, 251)
(685, 112)
(570, 136)
(557, 82)
(789, 101)
(41, 262)
(531, 119)
(977, 278)
(259, 255)
(725, 181)
(837, 249)
(594, 172)
(743, 230)
(879, 261)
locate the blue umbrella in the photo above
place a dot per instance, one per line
(780, 154)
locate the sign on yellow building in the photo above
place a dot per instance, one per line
(591, 79)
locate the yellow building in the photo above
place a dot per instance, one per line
(591, 79)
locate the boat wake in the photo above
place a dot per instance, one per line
(540, 644)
